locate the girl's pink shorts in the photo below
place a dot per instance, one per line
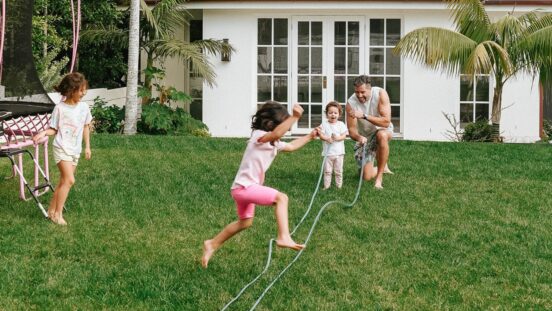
(246, 198)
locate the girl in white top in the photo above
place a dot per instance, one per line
(269, 124)
(69, 123)
(333, 132)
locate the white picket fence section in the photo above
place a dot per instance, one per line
(113, 97)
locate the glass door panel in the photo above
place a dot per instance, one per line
(327, 58)
(309, 69)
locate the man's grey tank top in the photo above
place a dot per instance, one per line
(366, 128)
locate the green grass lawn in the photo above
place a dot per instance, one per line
(459, 226)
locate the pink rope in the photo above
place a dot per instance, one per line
(76, 30)
(3, 25)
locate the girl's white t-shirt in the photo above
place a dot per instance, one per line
(256, 160)
(69, 121)
(337, 147)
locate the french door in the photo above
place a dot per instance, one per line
(326, 57)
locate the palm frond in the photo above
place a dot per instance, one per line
(529, 18)
(170, 15)
(188, 53)
(148, 15)
(110, 35)
(486, 57)
(471, 19)
(507, 30)
(540, 23)
(437, 48)
(536, 49)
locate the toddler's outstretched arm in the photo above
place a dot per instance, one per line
(283, 127)
(301, 141)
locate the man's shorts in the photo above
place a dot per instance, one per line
(60, 155)
(369, 151)
(246, 198)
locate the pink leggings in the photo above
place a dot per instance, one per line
(246, 198)
(333, 164)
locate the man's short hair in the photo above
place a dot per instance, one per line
(362, 80)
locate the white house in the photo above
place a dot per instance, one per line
(309, 51)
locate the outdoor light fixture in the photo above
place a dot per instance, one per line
(225, 56)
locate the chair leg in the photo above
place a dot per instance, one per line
(17, 166)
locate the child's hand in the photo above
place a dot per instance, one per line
(319, 131)
(314, 133)
(297, 111)
(38, 137)
(87, 153)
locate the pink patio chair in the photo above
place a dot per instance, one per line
(16, 134)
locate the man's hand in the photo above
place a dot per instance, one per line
(363, 140)
(87, 153)
(297, 111)
(357, 114)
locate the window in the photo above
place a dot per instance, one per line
(474, 98)
(272, 60)
(346, 60)
(385, 67)
(196, 82)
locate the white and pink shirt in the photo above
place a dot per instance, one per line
(69, 121)
(256, 160)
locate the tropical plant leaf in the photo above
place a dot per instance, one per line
(471, 19)
(109, 35)
(437, 48)
(213, 46)
(190, 53)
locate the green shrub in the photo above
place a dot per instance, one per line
(159, 119)
(107, 119)
(156, 120)
(480, 131)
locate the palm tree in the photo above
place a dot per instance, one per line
(510, 45)
(158, 27)
(131, 105)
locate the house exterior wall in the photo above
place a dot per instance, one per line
(228, 106)
(176, 73)
(425, 95)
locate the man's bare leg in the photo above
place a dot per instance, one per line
(281, 211)
(382, 155)
(210, 246)
(369, 171)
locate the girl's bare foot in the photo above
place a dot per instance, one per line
(61, 221)
(378, 183)
(386, 170)
(208, 251)
(289, 243)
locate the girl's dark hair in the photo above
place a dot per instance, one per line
(71, 83)
(269, 116)
(333, 104)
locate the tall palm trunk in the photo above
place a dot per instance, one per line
(497, 110)
(131, 106)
